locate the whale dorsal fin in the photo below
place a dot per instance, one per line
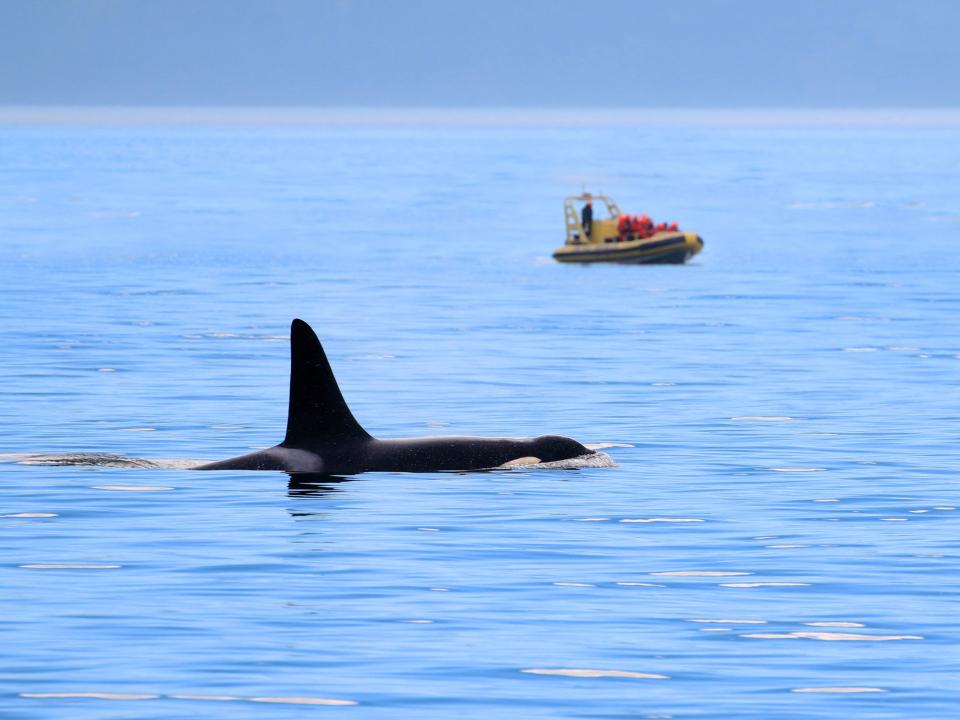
(317, 414)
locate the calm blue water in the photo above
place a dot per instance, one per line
(782, 524)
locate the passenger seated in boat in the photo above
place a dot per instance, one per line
(642, 226)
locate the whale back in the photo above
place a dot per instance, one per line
(317, 415)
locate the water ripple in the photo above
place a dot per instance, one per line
(830, 636)
(569, 672)
(839, 690)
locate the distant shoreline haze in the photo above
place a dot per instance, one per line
(174, 116)
(481, 53)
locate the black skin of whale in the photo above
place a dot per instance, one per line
(324, 438)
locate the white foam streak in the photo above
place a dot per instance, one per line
(584, 673)
(831, 636)
(839, 690)
(662, 520)
(764, 584)
(702, 573)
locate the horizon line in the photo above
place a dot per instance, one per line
(307, 116)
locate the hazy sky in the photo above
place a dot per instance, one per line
(543, 53)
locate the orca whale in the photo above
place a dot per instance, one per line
(324, 438)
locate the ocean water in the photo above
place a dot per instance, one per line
(777, 540)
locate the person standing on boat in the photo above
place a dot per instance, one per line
(586, 217)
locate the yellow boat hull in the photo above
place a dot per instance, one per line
(663, 247)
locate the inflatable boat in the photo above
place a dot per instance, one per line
(620, 238)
